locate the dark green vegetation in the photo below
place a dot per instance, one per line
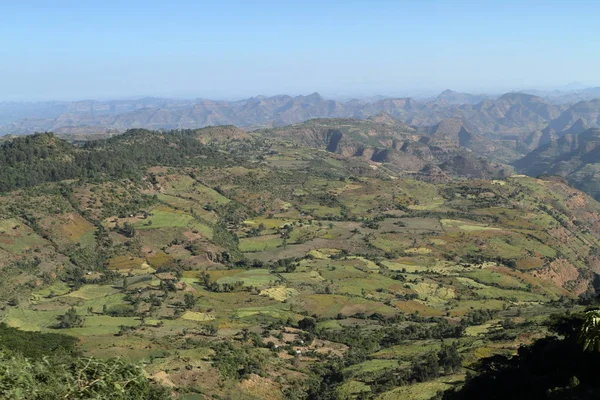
(36, 366)
(556, 367)
(235, 265)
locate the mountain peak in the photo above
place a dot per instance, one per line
(313, 97)
(448, 92)
(383, 118)
(519, 97)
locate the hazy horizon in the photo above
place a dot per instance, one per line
(234, 50)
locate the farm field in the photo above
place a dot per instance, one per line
(257, 269)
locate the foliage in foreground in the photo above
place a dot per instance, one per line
(85, 378)
(50, 369)
(556, 367)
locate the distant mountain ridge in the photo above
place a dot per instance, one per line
(575, 157)
(526, 119)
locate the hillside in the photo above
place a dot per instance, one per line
(408, 151)
(575, 157)
(281, 263)
(452, 97)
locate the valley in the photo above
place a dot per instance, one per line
(338, 258)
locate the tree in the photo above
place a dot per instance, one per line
(589, 333)
(189, 300)
(449, 358)
(307, 324)
(69, 320)
(128, 230)
(554, 367)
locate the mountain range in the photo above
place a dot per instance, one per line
(525, 119)
(575, 157)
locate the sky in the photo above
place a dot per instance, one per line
(226, 49)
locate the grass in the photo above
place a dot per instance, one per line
(480, 330)
(433, 293)
(351, 388)
(494, 278)
(124, 263)
(260, 243)
(422, 391)
(30, 320)
(197, 316)
(303, 277)
(368, 264)
(516, 246)
(211, 194)
(370, 284)
(275, 311)
(408, 349)
(57, 288)
(331, 324)
(78, 230)
(512, 295)
(90, 292)
(16, 237)
(101, 325)
(158, 259)
(390, 242)
(185, 186)
(414, 306)
(330, 306)
(280, 293)
(253, 277)
(166, 217)
(179, 203)
(269, 223)
(466, 226)
(370, 366)
(425, 195)
(465, 306)
(320, 211)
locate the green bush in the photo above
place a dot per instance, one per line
(22, 378)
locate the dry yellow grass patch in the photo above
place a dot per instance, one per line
(280, 293)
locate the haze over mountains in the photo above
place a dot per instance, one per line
(453, 134)
(512, 115)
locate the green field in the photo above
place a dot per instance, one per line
(262, 266)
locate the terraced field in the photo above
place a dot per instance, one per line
(233, 274)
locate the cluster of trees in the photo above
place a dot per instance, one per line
(237, 362)
(326, 377)
(35, 159)
(70, 319)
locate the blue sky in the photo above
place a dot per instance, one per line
(232, 49)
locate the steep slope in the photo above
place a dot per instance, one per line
(451, 97)
(512, 113)
(584, 113)
(575, 157)
(404, 149)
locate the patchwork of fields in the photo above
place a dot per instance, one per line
(293, 259)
